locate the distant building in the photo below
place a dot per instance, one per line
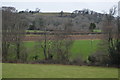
(119, 8)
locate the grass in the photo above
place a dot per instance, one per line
(34, 31)
(32, 35)
(56, 71)
(0, 70)
(80, 48)
(96, 30)
(84, 48)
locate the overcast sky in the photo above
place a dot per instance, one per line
(61, 5)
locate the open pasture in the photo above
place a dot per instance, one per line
(56, 71)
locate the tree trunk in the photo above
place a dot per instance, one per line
(18, 51)
(5, 50)
(45, 47)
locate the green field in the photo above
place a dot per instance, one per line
(84, 48)
(34, 31)
(97, 30)
(80, 48)
(56, 71)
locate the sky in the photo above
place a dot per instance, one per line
(61, 5)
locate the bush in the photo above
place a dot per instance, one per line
(77, 61)
(99, 59)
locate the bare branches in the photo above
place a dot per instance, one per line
(14, 26)
(111, 36)
(112, 11)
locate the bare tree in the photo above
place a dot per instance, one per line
(63, 42)
(117, 42)
(111, 36)
(19, 32)
(7, 30)
(41, 24)
(13, 31)
(0, 35)
(37, 10)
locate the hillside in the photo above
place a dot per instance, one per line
(79, 19)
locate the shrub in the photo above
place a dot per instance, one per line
(99, 59)
(77, 61)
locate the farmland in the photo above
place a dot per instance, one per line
(80, 48)
(56, 71)
(78, 44)
(33, 37)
